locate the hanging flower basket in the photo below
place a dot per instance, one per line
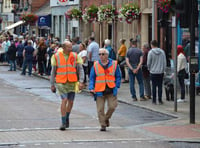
(90, 14)
(107, 13)
(73, 13)
(164, 5)
(129, 12)
(29, 18)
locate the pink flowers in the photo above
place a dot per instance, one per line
(164, 5)
(29, 18)
(73, 13)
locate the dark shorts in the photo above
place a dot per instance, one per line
(69, 96)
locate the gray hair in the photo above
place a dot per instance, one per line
(107, 42)
(104, 50)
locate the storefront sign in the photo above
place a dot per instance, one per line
(54, 3)
(44, 21)
(63, 2)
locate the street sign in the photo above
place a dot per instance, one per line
(63, 2)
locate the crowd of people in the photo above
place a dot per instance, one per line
(75, 63)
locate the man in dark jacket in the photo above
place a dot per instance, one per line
(28, 58)
(20, 49)
(12, 56)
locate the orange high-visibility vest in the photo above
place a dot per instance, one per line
(104, 76)
(66, 70)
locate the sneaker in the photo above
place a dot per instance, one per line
(142, 99)
(134, 99)
(62, 127)
(181, 100)
(103, 129)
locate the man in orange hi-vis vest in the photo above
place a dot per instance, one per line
(105, 79)
(66, 65)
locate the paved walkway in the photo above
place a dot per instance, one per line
(178, 129)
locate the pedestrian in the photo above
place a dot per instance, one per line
(42, 57)
(12, 56)
(75, 46)
(146, 73)
(7, 45)
(134, 59)
(66, 70)
(20, 48)
(28, 54)
(105, 79)
(181, 70)
(50, 54)
(156, 63)
(111, 51)
(83, 55)
(93, 51)
(121, 58)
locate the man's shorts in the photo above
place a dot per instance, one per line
(69, 96)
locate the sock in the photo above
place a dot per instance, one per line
(63, 120)
(67, 115)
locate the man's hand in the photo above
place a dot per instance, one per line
(135, 71)
(53, 89)
(81, 86)
(92, 92)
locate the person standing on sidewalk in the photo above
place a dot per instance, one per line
(156, 63)
(66, 70)
(134, 59)
(28, 54)
(105, 79)
(121, 58)
(12, 56)
(93, 51)
(145, 72)
(181, 70)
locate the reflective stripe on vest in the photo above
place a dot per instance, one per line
(66, 70)
(104, 76)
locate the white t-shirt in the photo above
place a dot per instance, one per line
(82, 54)
(181, 62)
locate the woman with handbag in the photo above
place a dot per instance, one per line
(121, 57)
(181, 66)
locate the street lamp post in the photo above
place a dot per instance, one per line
(192, 53)
(153, 18)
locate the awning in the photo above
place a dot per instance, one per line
(147, 11)
(14, 25)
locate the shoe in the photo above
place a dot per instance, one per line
(62, 127)
(160, 102)
(9, 70)
(103, 129)
(67, 123)
(107, 123)
(134, 99)
(180, 100)
(147, 97)
(126, 81)
(142, 99)
(154, 103)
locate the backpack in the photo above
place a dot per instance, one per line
(112, 54)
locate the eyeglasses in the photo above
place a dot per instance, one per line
(101, 54)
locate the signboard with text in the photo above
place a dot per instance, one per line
(54, 3)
